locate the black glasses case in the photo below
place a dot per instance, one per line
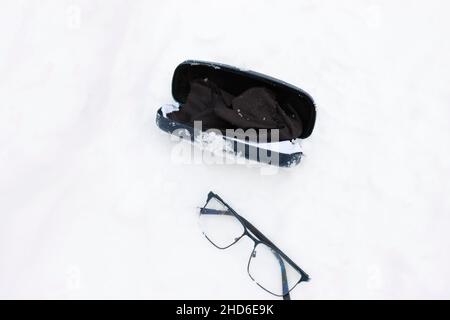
(294, 102)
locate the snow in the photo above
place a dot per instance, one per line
(92, 205)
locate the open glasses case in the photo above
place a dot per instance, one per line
(226, 98)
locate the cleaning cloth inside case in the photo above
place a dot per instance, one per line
(254, 108)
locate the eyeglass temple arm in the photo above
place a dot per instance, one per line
(215, 211)
(284, 281)
(285, 286)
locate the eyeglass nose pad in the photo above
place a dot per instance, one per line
(254, 253)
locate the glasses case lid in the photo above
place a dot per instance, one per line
(236, 81)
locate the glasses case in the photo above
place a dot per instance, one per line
(225, 97)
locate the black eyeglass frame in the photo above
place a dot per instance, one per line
(258, 238)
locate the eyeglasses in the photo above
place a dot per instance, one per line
(268, 266)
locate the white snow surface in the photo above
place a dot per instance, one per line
(93, 206)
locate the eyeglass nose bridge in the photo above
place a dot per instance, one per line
(253, 237)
